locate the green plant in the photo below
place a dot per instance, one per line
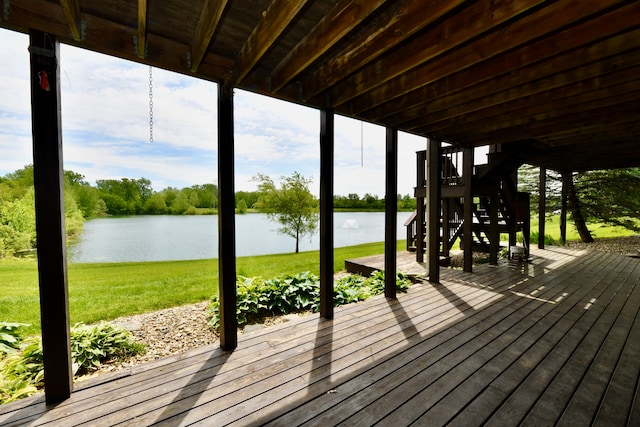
(91, 345)
(258, 298)
(23, 370)
(9, 336)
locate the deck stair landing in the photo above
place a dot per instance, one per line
(556, 340)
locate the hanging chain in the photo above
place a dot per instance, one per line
(150, 104)
(361, 144)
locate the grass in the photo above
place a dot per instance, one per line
(105, 291)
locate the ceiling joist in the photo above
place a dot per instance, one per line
(207, 25)
(71, 9)
(274, 21)
(343, 18)
(401, 22)
(142, 28)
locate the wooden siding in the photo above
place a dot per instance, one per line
(556, 340)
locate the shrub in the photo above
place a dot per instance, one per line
(22, 370)
(258, 298)
(10, 337)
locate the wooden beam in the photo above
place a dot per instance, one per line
(469, 23)
(499, 73)
(403, 20)
(343, 18)
(557, 80)
(275, 20)
(48, 178)
(142, 28)
(207, 26)
(501, 52)
(227, 293)
(326, 212)
(391, 213)
(434, 185)
(71, 9)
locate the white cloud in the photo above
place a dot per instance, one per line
(105, 118)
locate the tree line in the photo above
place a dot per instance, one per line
(128, 196)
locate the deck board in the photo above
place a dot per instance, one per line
(553, 340)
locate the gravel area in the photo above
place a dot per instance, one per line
(179, 329)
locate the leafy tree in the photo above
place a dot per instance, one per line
(155, 204)
(241, 207)
(610, 196)
(180, 204)
(18, 224)
(292, 205)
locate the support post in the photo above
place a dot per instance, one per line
(49, 203)
(227, 293)
(494, 232)
(566, 176)
(542, 208)
(420, 193)
(326, 212)
(467, 237)
(391, 213)
(433, 221)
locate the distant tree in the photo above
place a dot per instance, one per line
(180, 205)
(18, 224)
(292, 205)
(155, 205)
(241, 207)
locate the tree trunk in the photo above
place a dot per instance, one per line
(576, 211)
(297, 242)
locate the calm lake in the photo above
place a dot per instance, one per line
(160, 237)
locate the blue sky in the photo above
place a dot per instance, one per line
(105, 121)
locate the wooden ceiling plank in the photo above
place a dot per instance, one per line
(584, 119)
(467, 80)
(613, 54)
(471, 22)
(344, 17)
(71, 9)
(574, 94)
(557, 112)
(405, 19)
(516, 35)
(142, 28)
(208, 23)
(275, 20)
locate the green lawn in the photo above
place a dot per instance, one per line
(105, 291)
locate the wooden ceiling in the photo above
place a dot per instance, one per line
(561, 78)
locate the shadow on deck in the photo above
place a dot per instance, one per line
(556, 340)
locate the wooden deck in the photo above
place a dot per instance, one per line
(553, 341)
(405, 263)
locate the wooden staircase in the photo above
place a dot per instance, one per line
(496, 207)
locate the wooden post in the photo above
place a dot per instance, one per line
(566, 176)
(226, 221)
(433, 221)
(420, 192)
(467, 160)
(49, 203)
(391, 213)
(542, 208)
(494, 232)
(326, 212)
